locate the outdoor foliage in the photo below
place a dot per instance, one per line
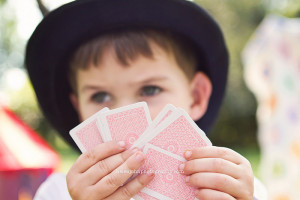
(236, 126)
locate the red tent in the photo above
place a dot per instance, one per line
(25, 158)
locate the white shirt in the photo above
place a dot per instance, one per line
(55, 188)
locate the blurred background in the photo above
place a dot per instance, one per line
(237, 126)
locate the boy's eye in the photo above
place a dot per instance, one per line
(150, 90)
(101, 97)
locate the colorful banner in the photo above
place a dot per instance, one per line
(272, 72)
(25, 158)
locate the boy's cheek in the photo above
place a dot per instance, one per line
(87, 110)
(158, 103)
(154, 109)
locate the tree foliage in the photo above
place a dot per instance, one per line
(236, 125)
(22, 101)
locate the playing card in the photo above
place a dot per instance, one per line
(88, 133)
(164, 114)
(168, 183)
(167, 111)
(178, 134)
(144, 196)
(126, 123)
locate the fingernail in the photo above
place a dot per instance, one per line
(187, 179)
(134, 150)
(181, 167)
(188, 154)
(150, 174)
(139, 157)
(121, 144)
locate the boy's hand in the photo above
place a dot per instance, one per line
(218, 173)
(97, 174)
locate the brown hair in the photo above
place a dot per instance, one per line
(128, 45)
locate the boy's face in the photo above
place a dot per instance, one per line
(157, 81)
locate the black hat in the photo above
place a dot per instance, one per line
(64, 29)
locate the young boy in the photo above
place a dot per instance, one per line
(91, 54)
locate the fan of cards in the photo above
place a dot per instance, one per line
(163, 141)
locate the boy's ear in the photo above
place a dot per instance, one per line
(201, 89)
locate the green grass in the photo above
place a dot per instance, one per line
(253, 155)
(67, 154)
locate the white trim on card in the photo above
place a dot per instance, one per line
(196, 127)
(153, 132)
(103, 118)
(143, 138)
(73, 131)
(180, 112)
(77, 141)
(161, 115)
(151, 146)
(155, 194)
(136, 197)
(101, 129)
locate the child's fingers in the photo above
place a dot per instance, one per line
(208, 194)
(133, 187)
(119, 176)
(100, 152)
(216, 165)
(215, 181)
(215, 152)
(105, 166)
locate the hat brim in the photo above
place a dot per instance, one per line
(64, 29)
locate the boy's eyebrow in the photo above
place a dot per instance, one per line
(90, 87)
(142, 81)
(151, 79)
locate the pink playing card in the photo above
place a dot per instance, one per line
(168, 182)
(164, 114)
(144, 196)
(126, 123)
(88, 134)
(179, 134)
(167, 111)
